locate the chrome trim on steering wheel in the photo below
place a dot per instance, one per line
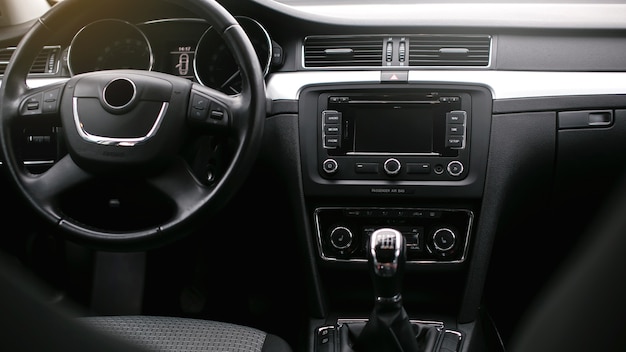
(120, 142)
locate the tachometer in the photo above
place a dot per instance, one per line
(215, 66)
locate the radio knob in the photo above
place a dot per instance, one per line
(330, 166)
(455, 168)
(341, 238)
(392, 166)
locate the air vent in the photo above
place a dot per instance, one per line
(449, 50)
(343, 51)
(5, 56)
(45, 63)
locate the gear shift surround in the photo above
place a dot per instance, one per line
(388, 328)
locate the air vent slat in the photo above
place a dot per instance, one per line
(45, 63)
(443, 50)
(343, 51)
(383, 50)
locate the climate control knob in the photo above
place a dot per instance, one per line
(392, 166)
(341, 238)
(443, 241)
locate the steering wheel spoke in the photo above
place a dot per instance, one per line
(179, 185)
(48, 187)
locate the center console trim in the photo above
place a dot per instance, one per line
(466, 234)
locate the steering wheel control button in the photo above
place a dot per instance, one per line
(392, 166)
(51, 101)
(218, 113)
(32, 105)
(199, 107)
(330, 166)
(202, 109)
(455, 168)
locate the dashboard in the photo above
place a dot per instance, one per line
(488, 134)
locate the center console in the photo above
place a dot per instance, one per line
(410, 158)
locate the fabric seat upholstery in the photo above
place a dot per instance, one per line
(29, 321)
(156, 333)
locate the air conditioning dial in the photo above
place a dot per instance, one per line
(443, 241)
(341, 238)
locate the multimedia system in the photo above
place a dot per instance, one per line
(404, 135)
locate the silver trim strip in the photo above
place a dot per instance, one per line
(435, 323)
(120, 142)
(502, 84)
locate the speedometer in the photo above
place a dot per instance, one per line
(215, 66)
(109, 44)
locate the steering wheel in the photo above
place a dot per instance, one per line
(126, 130)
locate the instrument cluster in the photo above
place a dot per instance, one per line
(188, 48)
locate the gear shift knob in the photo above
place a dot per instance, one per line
(387, 258)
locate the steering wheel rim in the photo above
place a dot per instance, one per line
(154, 158)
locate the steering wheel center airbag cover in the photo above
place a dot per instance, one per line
(122, 118)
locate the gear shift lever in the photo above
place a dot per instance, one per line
(387, 257)
(388, 328)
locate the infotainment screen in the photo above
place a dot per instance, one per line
(390, 125)
(396, 129)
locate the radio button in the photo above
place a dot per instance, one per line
(331, 129)
(455, 129)
(392, 166)
(455, 142)
(331, 142)
(456, 117)
(366, 168)
(417, 168)
(331, 117)
(330, 166)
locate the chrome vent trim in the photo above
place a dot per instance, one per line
(46, 63)
(450, 50)
(343, 51)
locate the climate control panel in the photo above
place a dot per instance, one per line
(432, 235)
